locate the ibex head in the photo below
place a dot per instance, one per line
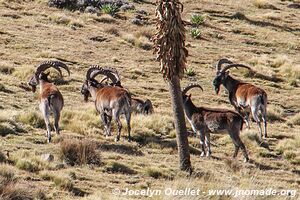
(186, 97)
(95, 70)
(41, 75)
(222, 74)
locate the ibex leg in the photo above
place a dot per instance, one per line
(44, 108)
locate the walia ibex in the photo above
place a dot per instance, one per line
(50, 98)
(137, 105)
(242, 95)
(110, 101)
(206, 120)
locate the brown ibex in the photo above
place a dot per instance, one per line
(110, 101)
(206, 120)
(50, 98)
(137, 105)
(242, 95)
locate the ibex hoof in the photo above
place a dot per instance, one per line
(246, 160)
(117, 139)
(202, 154)
(208, 154)
(49, 140)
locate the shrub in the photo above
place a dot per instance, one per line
(195, 33)
(110, 9)
(76, 152)
(197, 19)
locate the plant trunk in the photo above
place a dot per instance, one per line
(180, 126)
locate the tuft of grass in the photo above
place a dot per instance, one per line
(295, 120)
(289, 148)
(141, 42)
(81, 122)
(63, 183)
(197, 19)
(6, 69)
(23, 72)
(27, 165)
(263, 4)
(116, 167)
(155, 173)
(61, 19)
(112, 31)
(110, 9)
(195, 33)
(233, 164)
(190, 72)
(274, 114)
(76, 152)
(32, 118)
(9, 126)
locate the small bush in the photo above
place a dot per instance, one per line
(32, 118)
(116, 167)
(110, 9)
(195, 33)
(76, 152)
(197, 19)
(27, 166)
(190, 72)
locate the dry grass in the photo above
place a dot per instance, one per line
(295, 120)
(76, 152)
(267, 41)
(263, 4)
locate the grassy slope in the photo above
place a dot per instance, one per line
(268, 40)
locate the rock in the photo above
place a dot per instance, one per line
(137, 21)
(126, 7)
(294, 5)
(142, 12)
(118, 3)
(90, 9)
(47, 157)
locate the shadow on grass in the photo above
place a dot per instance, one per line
(263, 166)
(161, 141)
(121, 148)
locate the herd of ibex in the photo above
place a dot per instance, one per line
(112, 100)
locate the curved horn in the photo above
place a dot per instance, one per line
(110, 73)
(103, 79)
(236, 66)
(221, 62)
(190, 86)
(55, 64)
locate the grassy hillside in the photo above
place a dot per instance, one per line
(262, 34)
